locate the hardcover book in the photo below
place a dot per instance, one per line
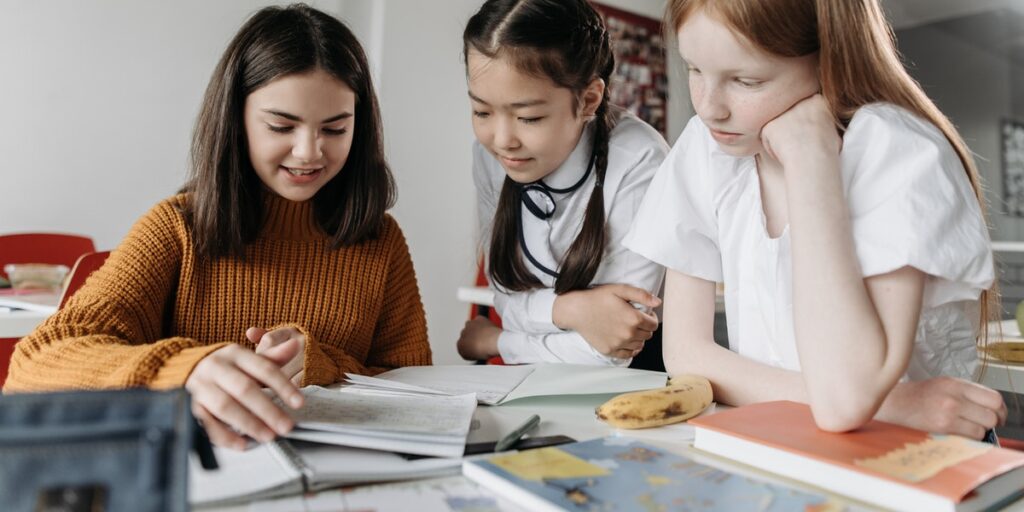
(880, 463)
(616, 473)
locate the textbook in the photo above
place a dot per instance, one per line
(431, 425)
(616, 473)
(497, 384)
(281, 468)
(883, 464)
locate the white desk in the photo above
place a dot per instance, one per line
(20, 314)
(19, 323)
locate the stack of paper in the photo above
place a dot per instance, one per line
(432, 425)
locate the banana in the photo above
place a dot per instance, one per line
(684, 397)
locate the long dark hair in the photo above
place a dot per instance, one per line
(225, 207)
(566, 42)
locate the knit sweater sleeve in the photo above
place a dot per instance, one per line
(111, 333)
(400, 336)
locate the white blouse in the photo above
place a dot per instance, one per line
(910, 203)
(635, 151)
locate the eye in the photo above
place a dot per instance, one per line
(693, 70)
(530, 120)
(481, 115)
(335, 131)
(279, 129)
(745, 82)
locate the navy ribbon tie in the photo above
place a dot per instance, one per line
(538, 198)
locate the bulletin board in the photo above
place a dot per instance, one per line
(640, 81)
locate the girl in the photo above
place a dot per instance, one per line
(841, 209)
(559, 174)
(276, 266)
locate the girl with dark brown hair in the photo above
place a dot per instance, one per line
(559, 174)
(276, 266)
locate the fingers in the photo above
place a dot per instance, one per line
(284, 352)
(224, 401)
(264, 369)
(277, 336)
(253, 334)
(634, 294)
(648, 322)
(220, 434)
(988, 399)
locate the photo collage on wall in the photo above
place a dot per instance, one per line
(640, 81)
(1013, 167)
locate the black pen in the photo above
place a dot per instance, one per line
(513, 437)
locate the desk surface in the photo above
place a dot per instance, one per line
(20, 313)
(573, 416)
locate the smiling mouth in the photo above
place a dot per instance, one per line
(300, 172)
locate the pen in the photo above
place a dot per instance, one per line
(513, 437)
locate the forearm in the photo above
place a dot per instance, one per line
(736, 380)
(530, 311)
(565, 347)
(59, 355)
(844, 351)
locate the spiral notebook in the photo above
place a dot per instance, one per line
(282, 468)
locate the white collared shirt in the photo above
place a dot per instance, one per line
(910, 204)
(635, 151)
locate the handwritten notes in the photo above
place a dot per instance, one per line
(919, 461)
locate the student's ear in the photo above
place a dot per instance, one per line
(592, 97)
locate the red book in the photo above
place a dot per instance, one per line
(883, 464)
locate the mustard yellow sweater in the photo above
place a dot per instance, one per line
(154, 310)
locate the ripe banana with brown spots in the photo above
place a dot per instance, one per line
(682, 398)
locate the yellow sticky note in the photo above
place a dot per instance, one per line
(547, 463)
(919, 461)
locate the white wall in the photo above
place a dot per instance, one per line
(99, 99)
(98, 102)
(976, 92)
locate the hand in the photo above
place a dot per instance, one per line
(265, 340)
(806, 126)
(227, 394)
(945, 405)
(605, 317)
(478, 339)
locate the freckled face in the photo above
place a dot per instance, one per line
(736, 88)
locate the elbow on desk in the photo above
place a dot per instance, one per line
(842, 413)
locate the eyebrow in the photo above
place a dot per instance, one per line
(517, 104)
(293, 117)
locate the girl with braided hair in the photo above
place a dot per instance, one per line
(559, 174)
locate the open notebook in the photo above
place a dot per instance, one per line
(496, 385)
(431, 425)
(282, 468)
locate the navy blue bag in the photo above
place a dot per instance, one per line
(98, 451)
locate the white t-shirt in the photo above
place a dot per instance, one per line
(910, 203)
(635, 150)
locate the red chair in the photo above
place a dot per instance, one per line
(49, 248)
(483, 310)
(86, 265)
